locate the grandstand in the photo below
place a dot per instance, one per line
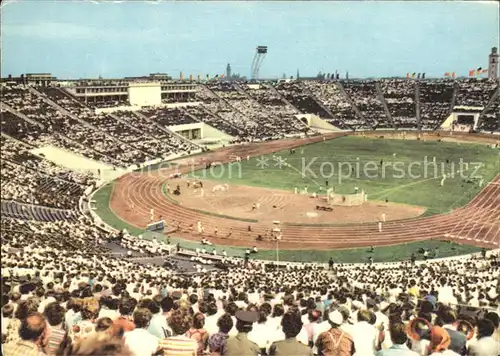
(64, 143)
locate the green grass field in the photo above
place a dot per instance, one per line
(394, 182)
(354, 161)
(382, 254)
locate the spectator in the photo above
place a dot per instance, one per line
(485, 345)
(240, 344)
(440, 343)
(217, 341)
(98, 344)
(292, 325)
(139, 340)
(179, 344)
(335, 341)
(33, 337)
(198, 333)
(54, 313)
(399, 340)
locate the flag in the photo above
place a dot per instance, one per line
(418, 76)
(472, 72)
(190, 77)
(484, 71)
(413, 75)
(423, 75)
(453, 75)
(208, 77)
(222, 76)
(216, 76)
(181, 76)
(199, 77)
(447, 74)
(408, 75)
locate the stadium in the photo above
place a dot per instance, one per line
(152, 214)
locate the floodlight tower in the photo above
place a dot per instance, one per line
(260, 54)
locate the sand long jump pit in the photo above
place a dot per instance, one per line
(267, 205)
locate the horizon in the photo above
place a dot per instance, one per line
(87, 39)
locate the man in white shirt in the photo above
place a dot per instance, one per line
(364, 334)
(139, 340)
(485, 344)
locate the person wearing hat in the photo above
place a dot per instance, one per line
(240, 345)
(335, 341)
(291, 325)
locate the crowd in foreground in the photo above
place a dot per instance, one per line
(64, 294)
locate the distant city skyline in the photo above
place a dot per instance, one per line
(87, 39)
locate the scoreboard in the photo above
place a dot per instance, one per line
(156, 226)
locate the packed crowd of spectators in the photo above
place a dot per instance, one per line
(204, 115)
(475, 92)
(366, 98)
(435, 102)
(399, 95)
(155, 137)
(74, 126)
(58, 124)
(223, 109)
(490, 118)
(294, 93)
(109, 103)
(29, 179)
(59, 280)
(344, 116)
(168, 117)
(136, 141)
(270, 120)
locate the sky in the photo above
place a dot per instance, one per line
(87, 39)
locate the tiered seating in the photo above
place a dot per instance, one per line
(19, 128)
(66, 239)
(34, 107)
(159, 142)
(364, 95)
(294, 93)
(331, 96)
(201, 114)
(220, 109)
(275, 125)
(435, 102)
(30, 179)
(21, 99)
(474, 92)
(168, 117)
(489, 119)
(17, 153)
(17, 210)
(399, 95)
(32, 187)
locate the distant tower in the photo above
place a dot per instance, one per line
(493, 64)
(228, 71)
(260, 54)
(298, 74)
(347, 75)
